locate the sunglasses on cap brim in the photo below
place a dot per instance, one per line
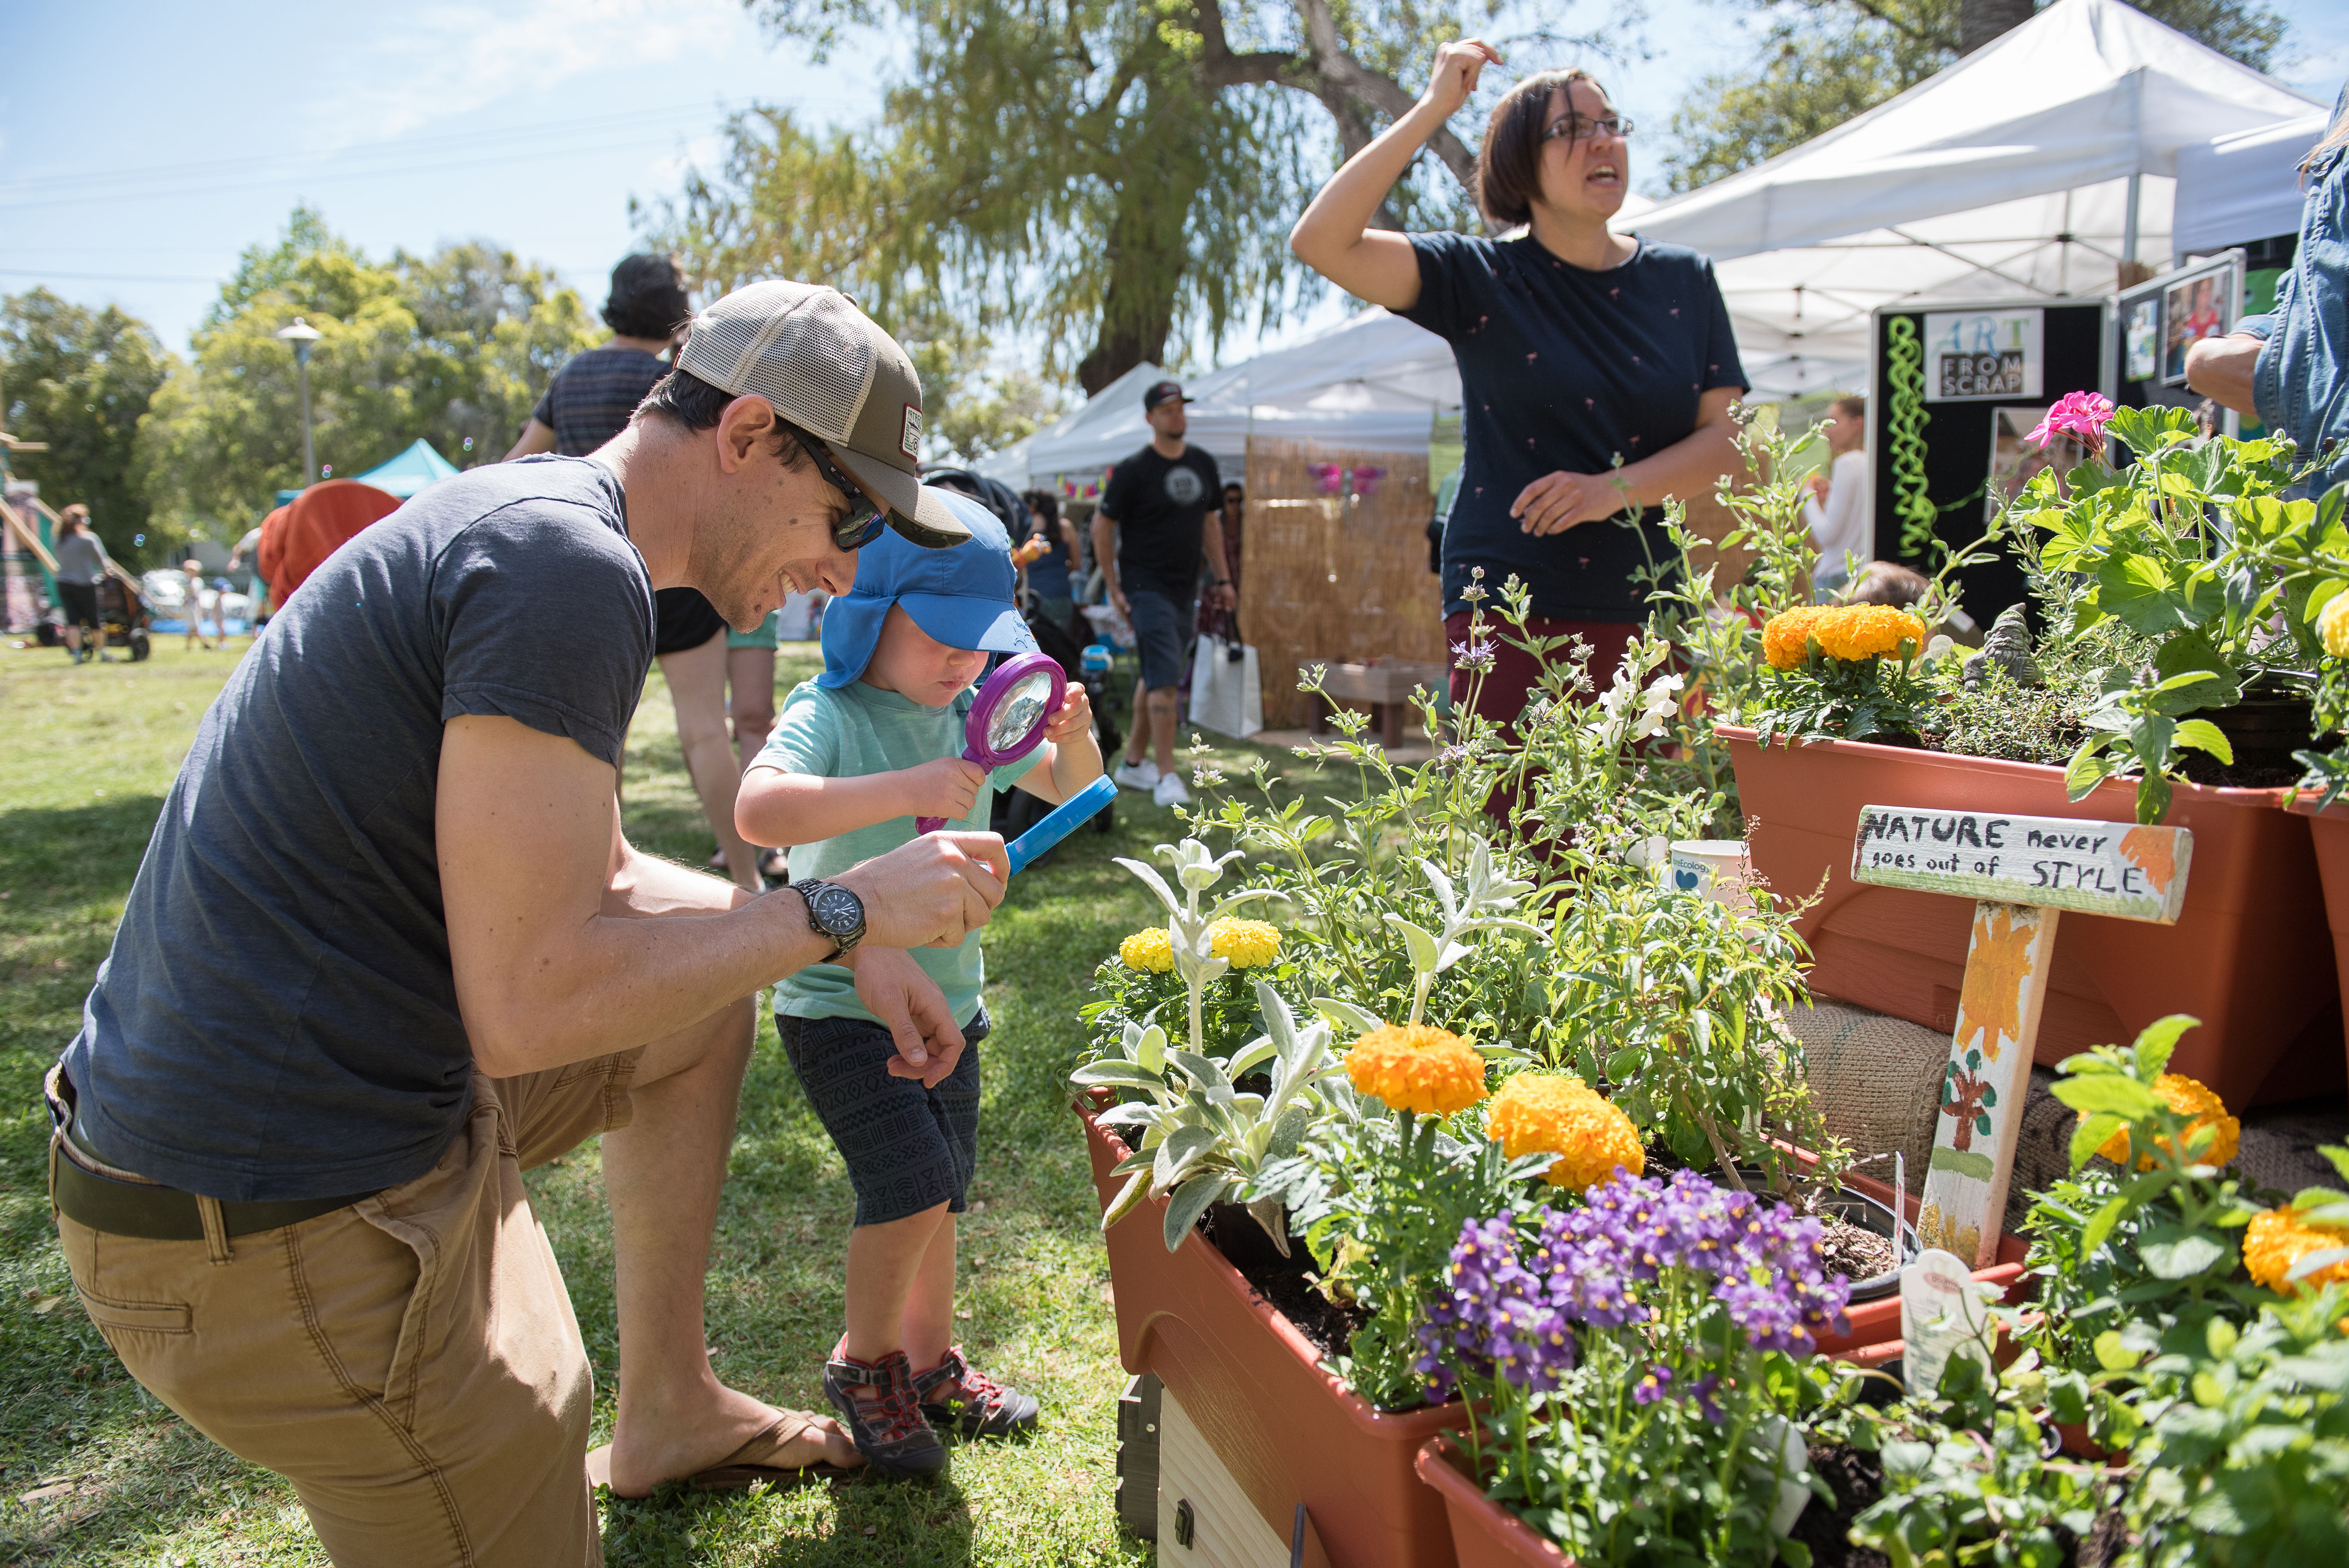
(864, 520)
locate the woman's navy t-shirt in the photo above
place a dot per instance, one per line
(1564, 369)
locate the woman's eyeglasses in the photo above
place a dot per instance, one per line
(864, 522)
(1575, 127)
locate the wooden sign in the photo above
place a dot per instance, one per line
(2054, 862)
(2022, 871)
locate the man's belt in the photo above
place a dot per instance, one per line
(166, 1214)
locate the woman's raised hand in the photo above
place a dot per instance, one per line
(1457, 67)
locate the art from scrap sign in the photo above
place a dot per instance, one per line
(2021, 873)
(1981, 356)
(2056, 863)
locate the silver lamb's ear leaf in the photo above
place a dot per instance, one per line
(1346, 1015)
(1106, 1071)
(1182, 1147)
(1190, 1200)
(1204, 1072)
(1137, 1188)
(1247, 895)
(1419, 940)
(1152, 879)
(1258, 1052)
(1279, 1022)
(1445, 896)
(1149, 1051)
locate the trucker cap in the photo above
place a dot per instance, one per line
(961, 597)
(829, 369)
(1164, 392)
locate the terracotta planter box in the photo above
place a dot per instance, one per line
(2249, 956)
(1287, 1431)
(2329, 832)
(1874, 1333)
(1484, 1533)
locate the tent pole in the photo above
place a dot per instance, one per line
(2129, 237)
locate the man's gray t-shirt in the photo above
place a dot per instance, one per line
(278, 1017)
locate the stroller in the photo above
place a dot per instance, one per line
(121, 610)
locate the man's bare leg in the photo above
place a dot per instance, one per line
(662, 1174)
(1162, 706)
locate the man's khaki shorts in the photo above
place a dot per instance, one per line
(410, 1363)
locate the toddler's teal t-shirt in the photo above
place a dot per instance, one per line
(847, 732)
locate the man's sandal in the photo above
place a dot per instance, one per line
(760, 1460)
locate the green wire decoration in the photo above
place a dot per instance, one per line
(1904, 429)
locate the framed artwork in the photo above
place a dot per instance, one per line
(1984, 355)
(2191, 309)
(2141, 340)
(2013, 459)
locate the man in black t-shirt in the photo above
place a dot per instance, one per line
(1162, 505)
(287, 1160)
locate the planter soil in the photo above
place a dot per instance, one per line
(2248, 956)
(1287, 1431)
(1875, 1332)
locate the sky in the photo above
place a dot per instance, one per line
(143, 146)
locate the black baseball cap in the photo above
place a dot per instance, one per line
(1164, 392)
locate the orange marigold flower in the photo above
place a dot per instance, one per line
(1856, 632)
(1785, 640)
(2281, 1238)
(1536, 1113)
(1416, 1066)
(2187, 1098)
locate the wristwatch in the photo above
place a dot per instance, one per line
(834, 911)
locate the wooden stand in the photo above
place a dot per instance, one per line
(1387, 687)
(2022, 872)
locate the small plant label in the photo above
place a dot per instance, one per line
(1941, 1316)
(2054, 862)
(2022, 871)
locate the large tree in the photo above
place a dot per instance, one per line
(80, 380)
(454, 348)
(1825, 61)
(1108, 177)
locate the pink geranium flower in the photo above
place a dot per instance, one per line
(2082, 415)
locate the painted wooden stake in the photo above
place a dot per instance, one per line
(2022, 871)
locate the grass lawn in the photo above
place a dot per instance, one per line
(86, 756)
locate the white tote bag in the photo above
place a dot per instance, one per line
(1224, 695)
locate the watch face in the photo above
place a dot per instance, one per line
(837, 909)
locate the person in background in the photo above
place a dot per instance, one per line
(1217, 620)
(588, 403)
(1049, 575)
(246, 557)
(1160, 508)
(1890, 583)
(1579, 349)
(193, 571)
(82, 566)
(751, 709)
(2290, 370)
(1841, 507)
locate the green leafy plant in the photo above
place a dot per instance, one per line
(1200, 1139)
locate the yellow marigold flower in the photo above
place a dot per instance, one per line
(2187, 1098)
(2281, 1238)
(1246, 942)
(1416, 1066)
(1536, 1113)
(2332, 626)
(1856, 632)
(1152, 949)
(1785, 640)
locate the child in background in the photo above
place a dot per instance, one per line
(198, 594)
(858, 753)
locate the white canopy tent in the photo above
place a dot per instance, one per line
(2242, 187)
(1373, 382)
(2033, 166)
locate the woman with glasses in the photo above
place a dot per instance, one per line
(1597, 369)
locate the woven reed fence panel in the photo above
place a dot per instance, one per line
(1330, 577)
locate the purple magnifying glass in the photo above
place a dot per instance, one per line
(1008, 720)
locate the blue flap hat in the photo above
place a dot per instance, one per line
(962, 595)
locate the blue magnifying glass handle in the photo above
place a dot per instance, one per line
(1061, 822)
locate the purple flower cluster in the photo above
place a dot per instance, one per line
(1477, 653)
(1514, 1311)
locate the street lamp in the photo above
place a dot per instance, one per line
(302, 334)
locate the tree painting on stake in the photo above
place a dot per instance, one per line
(1969, 1097)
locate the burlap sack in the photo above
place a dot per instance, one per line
(1877, 1081)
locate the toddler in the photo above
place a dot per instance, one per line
(857, 754)
(198, 595)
